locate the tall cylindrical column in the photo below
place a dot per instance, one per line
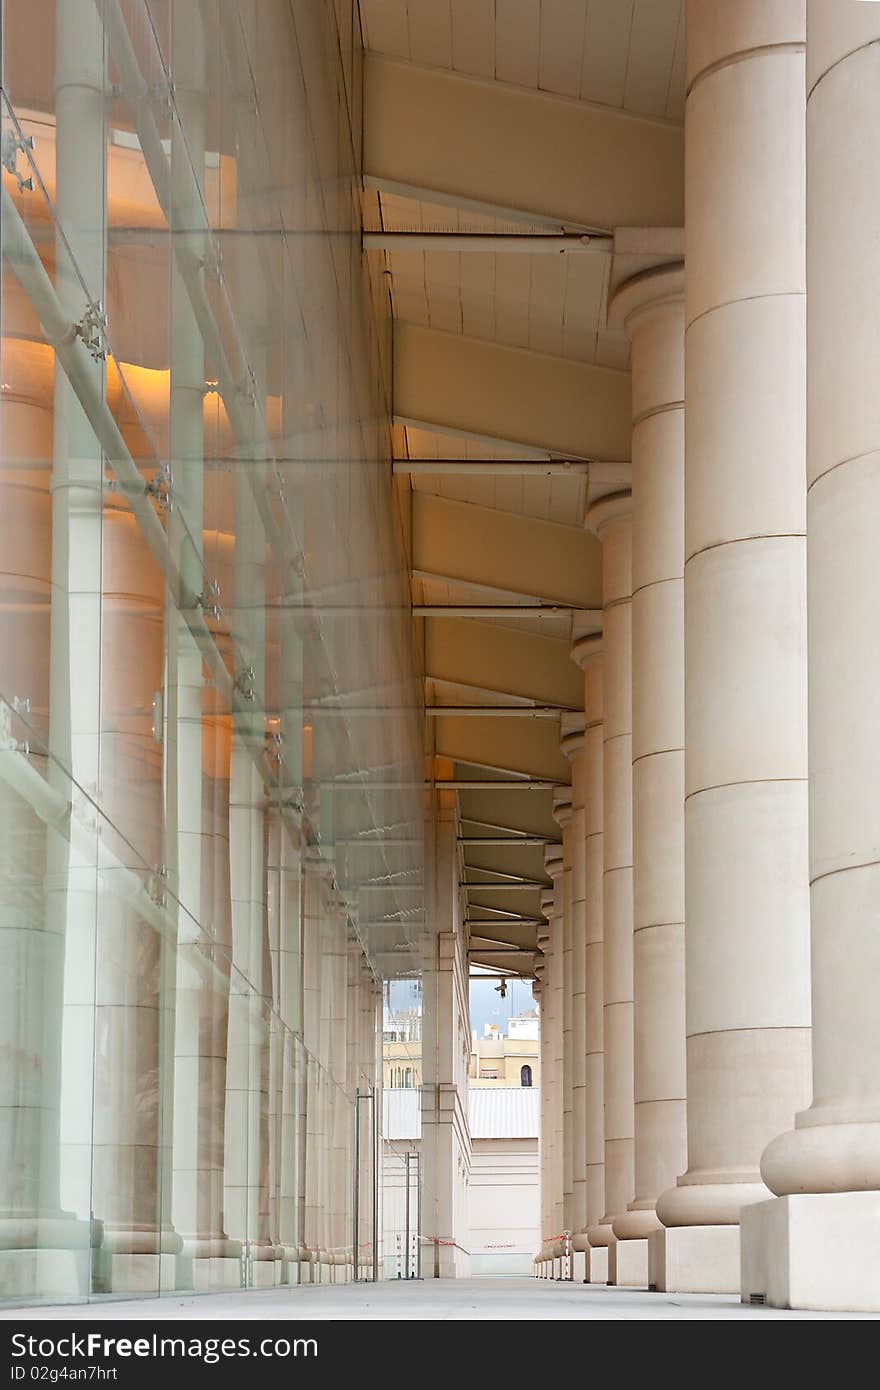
(587, 652)
(748, 1008)
(539, 993)
(651, 309)
(611, 519)
(833, 1152)
(573, 747)
(562, 809)
(552, 907)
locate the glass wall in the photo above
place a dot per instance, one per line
(210, 730)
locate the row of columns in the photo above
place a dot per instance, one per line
(750, 512)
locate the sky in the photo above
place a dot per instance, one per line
(487, 1006)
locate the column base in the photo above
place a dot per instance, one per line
(694, 1259)
(597, 1265)
(579, 1266)
(57, 1275)
(817, 1251)
(628, 1264)
(263, 1274)
(115, 1273)
(210, 1273)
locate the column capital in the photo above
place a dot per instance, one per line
(572, 728)
(650, 292)
(612, 509)
(562, 807)
(587, 650)
(553, 865)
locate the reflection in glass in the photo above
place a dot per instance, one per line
(210, 730)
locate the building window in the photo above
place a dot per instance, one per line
(525, 1076)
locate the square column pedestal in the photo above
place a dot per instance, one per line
(818, 1251)
(694, 1259)
(597, 1265)
(628, 1264)
(41, 1274)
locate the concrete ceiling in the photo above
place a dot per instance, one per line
(512, 117)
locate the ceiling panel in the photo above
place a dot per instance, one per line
(473, 37)
(553, 304)
(430, 31)
(624, 53)
(561, 46)
(652, 50)
(385, 27)
(606, 51)
(517, 41)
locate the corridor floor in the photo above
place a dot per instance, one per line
(517, 1299)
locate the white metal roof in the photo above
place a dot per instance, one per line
(494, 1112)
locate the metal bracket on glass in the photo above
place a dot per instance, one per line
(158, 884)
(209, 600)
(158, 716)
(92, 328)
(249, 391)
(275, 746)
(290, 798)
(12, 145)
(8, 742)
(245, 683)
(162, 94)
(212, 262)
(160, 487)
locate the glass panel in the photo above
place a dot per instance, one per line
(211, 773)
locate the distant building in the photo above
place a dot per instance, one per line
(514, 1060)
(495, 1059)
(402, 1050)
(500, 1223)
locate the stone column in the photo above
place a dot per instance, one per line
(816, 1246)
(611, 519)
(539, 995)
(748, 1008)
(572, 727)
(650, 307)
(587, 652)
(562, 809)
(445, 1052)
(551, 905)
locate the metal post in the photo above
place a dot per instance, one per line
(406, 1221)
(375, 1090)
(418, 1158)
(357, 1184)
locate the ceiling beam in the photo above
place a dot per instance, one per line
(503, 659)
(497, 711)
(550, 403)
(493, 810)
(484, 546)
(506, 841)
(531, 747)
(525, 784)
(491, 468)
(519, 243)
(490, 144)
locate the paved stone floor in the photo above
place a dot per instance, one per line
(514, 1299)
